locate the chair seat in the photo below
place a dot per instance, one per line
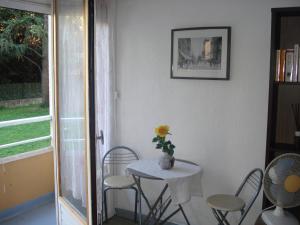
(225, 202)
(119, 181)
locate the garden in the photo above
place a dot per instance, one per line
(23, 132)
(24, 79)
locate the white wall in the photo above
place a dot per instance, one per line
(219, 124)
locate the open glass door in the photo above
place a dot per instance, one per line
(75, 180)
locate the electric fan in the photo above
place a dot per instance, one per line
(282, 187)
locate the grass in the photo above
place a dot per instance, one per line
(23, 112)
(5, 152)
(23, 132)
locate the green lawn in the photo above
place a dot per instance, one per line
(22, 112)
(23, 132)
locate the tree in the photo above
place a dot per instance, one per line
(22, 39)
(45, 66)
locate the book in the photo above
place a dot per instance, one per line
(277, 65)
(289, 58)
(295, 74)
(282, 65)
(298, 66)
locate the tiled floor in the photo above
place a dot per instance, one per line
(43, 215)
(119, 221)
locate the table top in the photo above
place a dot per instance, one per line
(151, 169)
(184, 179)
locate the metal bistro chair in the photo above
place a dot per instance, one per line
(117, 157)
(222, 204)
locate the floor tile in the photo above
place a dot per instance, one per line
(43, 215)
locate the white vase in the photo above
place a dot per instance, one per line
(166, 161)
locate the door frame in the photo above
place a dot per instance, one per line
(92, 112)
(46, 9)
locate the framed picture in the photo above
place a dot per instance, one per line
(200, 53)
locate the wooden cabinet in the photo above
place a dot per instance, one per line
(281, 127)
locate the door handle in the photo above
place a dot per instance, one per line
(101, 137)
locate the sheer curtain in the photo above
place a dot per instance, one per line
(104, 81)
(71, 99)
(71, 93)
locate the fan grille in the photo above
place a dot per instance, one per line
(274, 189)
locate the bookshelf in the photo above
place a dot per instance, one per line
(285, 33)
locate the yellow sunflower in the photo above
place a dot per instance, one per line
(162, 130)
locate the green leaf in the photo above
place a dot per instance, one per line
(161, 142)
(27, 25)
(155, 139)
(158, 146)
(171, 153)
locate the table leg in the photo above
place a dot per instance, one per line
(153, 208)
(183, 213)
(140, 204)
(179, 209)
(156, 203)
(168, 217)
(163, 211)
(141, 194)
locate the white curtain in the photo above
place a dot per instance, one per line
(71, 94)
(104, 81)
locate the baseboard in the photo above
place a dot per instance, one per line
(27, 206)
(130, 215)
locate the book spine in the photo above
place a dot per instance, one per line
(277, 66)
(298, 77)
(282, 65)
(295, 74)
(289, 57)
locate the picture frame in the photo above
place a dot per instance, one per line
(201, 53)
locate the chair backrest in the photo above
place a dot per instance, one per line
(186, 161)
(118, 156)
(252, 183)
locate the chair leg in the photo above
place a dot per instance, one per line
(135, 203)
(105, 205)
(221, 215)
(217, 217)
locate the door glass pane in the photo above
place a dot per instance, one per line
(71, 102)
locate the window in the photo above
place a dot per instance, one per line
(24, 81)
